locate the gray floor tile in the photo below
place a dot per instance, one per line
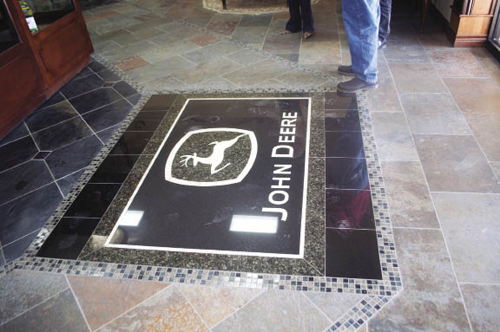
(482, 302)
(62, 134)
(161, 69)
(334, 305)
(22, 179)
(165, 52)
(22, 290)
(18, 132)
(17, 152)
(434, 114)
(431, 299)
(410, 203)
(283, 310)
(486, 127)
(455, 163)
(49, 116)
(73, 157)
(28, 213)
(17, 248)
(206, 70)
(60, 313)
(385, 98)
(393, 137)
(283, 43)
(257, 73)
(107, 116)
(212, 52)
(470, 226)
(67, 182)
(417, 78)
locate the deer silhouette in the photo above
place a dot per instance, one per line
(215, 159)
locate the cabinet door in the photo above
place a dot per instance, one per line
(21, 83)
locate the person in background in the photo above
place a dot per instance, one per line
(301, 18)
(361, 21)
(385, 23)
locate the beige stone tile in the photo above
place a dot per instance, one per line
(278, 311)
(130, 50)
(408, 197)
(486, 127)
(334, 305)
(216, 303)
(483, 305)
(224, 24)
(206, 70)
(384, 98)
(250, 34)
(106, 46)
(174, 32)
(457, 63)
(320, 53)
(282, 44)
(246, 57)
(257, 73)
(475, 94)
(212, 52)
(434, 114)
(58, 313)
(22, 290)
(103, 299)
(164, 52)
(393, 137)
(160, 69)
(216, 83)
(488, 61)
(200, 16)
(455, 163)
(164, 84)
(301, 80)
(416, 78)
(204, 40)
(495, 165)
(431, 299)
(470, 226)
(131, 63)
(168, 310)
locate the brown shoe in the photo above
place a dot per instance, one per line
(355, 85)
(346, 71)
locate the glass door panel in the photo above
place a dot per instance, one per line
(8, 35)
(41, 13)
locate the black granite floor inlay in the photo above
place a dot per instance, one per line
(166, 203)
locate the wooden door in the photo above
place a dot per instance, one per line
(21, 82)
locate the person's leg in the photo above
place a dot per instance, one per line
(307, 16)
(361, 20)
(294, 24)
(385, 21)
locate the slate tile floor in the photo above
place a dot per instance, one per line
(46, 154)
(442, 292)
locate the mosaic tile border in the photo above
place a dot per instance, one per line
(379, 292)
(390, 284)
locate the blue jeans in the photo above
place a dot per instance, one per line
(301, 17)
(361, 20)
(385, 20)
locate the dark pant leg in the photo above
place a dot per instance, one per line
(294, 24)
(385, 20)
(307, 16)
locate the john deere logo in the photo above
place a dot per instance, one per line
(212, 157)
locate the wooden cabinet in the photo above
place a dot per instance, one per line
(34, 65)
(470, 22)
